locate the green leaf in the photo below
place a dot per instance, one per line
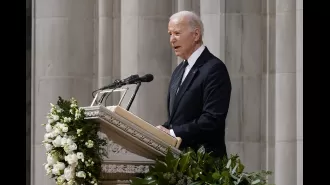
(216, 175)
(184, 162)
(160, 166)
(196, 183)
(196, 172)
(176, 164)
(169, 156)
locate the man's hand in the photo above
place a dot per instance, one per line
(163, 129)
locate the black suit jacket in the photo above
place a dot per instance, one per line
(201, 105)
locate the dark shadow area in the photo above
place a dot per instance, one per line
(28, 19)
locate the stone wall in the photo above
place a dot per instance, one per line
(81, 45)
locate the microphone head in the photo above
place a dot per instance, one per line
(147, 78)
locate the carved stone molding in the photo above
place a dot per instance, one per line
(125, 168)
(121, 171)
(116, 149)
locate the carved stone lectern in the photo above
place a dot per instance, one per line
(133, 144)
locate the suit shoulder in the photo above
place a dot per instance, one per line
(215, 62)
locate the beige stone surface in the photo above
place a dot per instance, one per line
(80, 45)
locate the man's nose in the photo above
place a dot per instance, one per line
(172, 39)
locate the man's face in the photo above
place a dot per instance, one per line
(182, 38)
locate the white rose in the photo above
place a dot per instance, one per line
(48, 147)
(65, 129)
(57, 141)
(63, 141)
(81, 174)
(56, 117)
(69, 173)
(55, 171)
(67, 149)
(89, 144)
(57, 131)
(71, 158)
(48, 168)
(73, 146)
(67, 120)
(59, 165)
(80, 155)
(47, 137)
(69, 141)
(79, 131)
(50, 120)
(52, 134)
(49, 128)
(51, 159)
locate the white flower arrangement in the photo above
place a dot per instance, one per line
(74, 148)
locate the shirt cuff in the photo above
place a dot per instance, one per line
(172, 133)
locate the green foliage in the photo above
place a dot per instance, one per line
(199, 168)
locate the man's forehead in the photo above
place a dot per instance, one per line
(178, 21)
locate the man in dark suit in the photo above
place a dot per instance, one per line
(199, 91)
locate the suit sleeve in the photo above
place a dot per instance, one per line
(216, 97)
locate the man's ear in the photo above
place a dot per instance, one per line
(197, 34)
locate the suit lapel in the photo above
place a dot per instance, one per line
(183, 88)
(189, 79)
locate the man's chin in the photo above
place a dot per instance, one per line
(178, 54)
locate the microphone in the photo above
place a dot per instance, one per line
(118, 83)
(145, 78)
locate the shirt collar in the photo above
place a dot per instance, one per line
(193, 58)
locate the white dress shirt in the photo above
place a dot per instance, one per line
(191, 61)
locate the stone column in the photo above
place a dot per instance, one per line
(243, 58)
(285, 94)
(145, 49)
(299, 49)
(268, 88)
(213, 17)
(105, 44)
(190, 5)
(62, 65)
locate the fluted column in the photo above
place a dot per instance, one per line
(285, 94)
(213, 17)
(145, 49)
(63, 47)
(105, 44)
(242, 47)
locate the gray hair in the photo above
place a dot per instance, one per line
(193, 20)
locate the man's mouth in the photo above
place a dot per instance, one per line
(176, 47)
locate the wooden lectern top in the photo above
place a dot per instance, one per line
(132, 132)
(173, 141)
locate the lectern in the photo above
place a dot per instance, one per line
(133, 143)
